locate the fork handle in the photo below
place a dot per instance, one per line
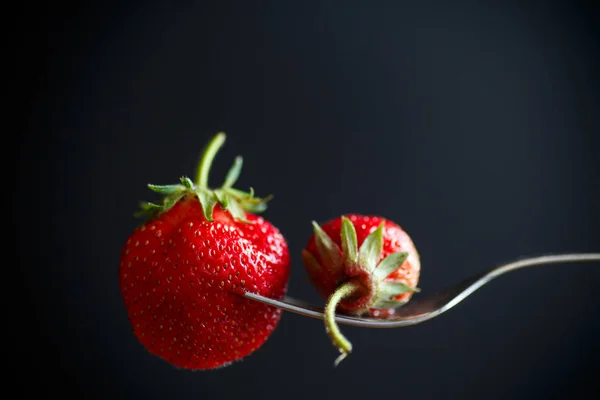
(546, 259)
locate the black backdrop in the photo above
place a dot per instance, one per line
(473, 125)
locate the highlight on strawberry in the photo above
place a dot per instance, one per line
(362, 265)
(182, 270)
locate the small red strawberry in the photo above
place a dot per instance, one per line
(363, 264)
(183, 270)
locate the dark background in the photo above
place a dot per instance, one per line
(474, 125)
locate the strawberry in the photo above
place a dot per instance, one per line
(364, 265)
(183, 270)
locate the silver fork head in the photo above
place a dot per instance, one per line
(423, 308)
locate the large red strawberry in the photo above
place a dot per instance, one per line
(183, 270)
(363, 264)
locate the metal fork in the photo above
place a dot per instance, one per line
(421, 309)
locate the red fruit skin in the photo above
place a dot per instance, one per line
(395, 239)
(179, 274)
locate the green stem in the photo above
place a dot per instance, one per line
(207, 158)
(339, 340)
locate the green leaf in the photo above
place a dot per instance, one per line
(165, 189)
(208, 200)
(234, 208)
(149, 206)
(389, 289)
(147, 209)
(256, 200)
(251, 204)
(254, 208)
(240, 194)
(222, 198)
(371, 249)
(349, 243)
(170, 201)
(389, 265)
(187, 182)
(328, 250)
(234, 172)
(311, 262)
(388, 304)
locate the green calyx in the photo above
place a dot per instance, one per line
(236, 201)
(353, 261)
